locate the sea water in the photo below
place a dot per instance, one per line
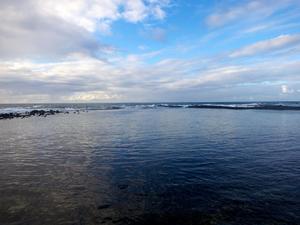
(151, 164)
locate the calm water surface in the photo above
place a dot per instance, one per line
(146, 166)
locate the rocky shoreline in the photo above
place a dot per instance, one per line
(43, 113)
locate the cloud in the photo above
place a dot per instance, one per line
(51, 51)
(286, 90)
(265, 46)
(134, 11)
(155, 33)
(220, 76)
(91, 14)
(92, 96)
(56, 28)
(257, 28)
(84, 78)
(250, 9)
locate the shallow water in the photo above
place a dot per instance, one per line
(146, 166)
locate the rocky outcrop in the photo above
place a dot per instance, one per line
(43, 113)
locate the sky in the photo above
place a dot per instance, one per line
(149, 50)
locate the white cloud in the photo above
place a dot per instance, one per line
(210, 77)
(83, 78)
(134, 11)
(248, 9)
(55, 28)
(94, 14)
(279, 42)
(286, 90)
(92, 96)
(226, 15)
(257, 28)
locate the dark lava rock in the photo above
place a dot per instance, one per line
(35, 112)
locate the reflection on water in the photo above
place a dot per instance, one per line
(166, 166)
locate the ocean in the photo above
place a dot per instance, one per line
(150, 163)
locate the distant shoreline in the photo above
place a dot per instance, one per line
(44, 110)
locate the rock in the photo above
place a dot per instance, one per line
(43, 113)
